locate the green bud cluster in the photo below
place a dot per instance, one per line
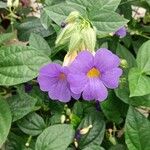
(78, 33)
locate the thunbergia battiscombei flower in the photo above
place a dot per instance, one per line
(53, 78)
(121, 32)
(91, 75)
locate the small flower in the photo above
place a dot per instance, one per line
(53, 79)
(90, 75)
(121, 32)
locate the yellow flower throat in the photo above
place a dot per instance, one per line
(93, 73)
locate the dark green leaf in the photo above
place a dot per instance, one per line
(106, 22)
(20, 64)
(137, 131)
(96, 133)
(5, 121)
(21, 105)
(100, 4)
(39, 43)
(57, 137)
(32, 26)
(32, 124)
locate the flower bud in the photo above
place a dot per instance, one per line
(85, 130)
(9, 3)
(69, 58)
(16, 3)
(75, 143)
(89, 38)
(65, 34)
(72, 17)
(63, 118)
(123, 63)
(75, 41)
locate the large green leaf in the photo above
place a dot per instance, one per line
(106, 21)
(21, 105)
(123, 93)
(56, 137)
(58, 13)
(4, 37)
(39, 43)
(143, 57)
(112, 108)
(19, 64)
(137, 133)
(96, 133)
(5, 120)
(139, 83)
(32, 124)
(32, 26)
(100, 4)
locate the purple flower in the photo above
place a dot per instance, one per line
(121, 32)
(53, 79)
(92, 74)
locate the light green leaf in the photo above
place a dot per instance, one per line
(143, 57)
(39, 43)
(56, 137)
(20, 105)
(100, 4)
(94, 147)
(5, 121)
(20, 64)
(138, 83)
(45, 20)
(32, 124)
(4, 37)
(107, 21)
(95, 135)
(124, 53)
(2, 4)
(58, 13)
(137, 133)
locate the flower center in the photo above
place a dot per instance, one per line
(62, 76)
(93, 73)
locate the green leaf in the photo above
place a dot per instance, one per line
(4, 37)
(45, 20)
(96, 133)
(138, 83)
(32, 26)
(118, 147)
(32, 124)
(5, 121)
(3, 5)
(143, 58)
(148, 2)
(57, 137)
(137, 131)
(58, 13)
(112, 108)
(124, 53)
(20, 64)
(100, 4)
(107, 21)
(39, 43)
(123, 93)
(21, 105)
(94, 147)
